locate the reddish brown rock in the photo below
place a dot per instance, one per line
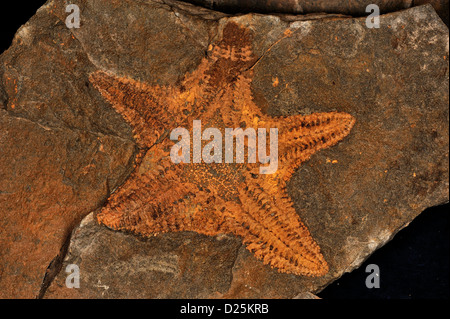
(49, 179)
(58, 160)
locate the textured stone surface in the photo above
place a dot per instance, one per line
(354, 7)
(117, 265)
(306, 295)
(64, 146)
(441, 7)
(51, 176)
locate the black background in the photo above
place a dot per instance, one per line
(415, 264)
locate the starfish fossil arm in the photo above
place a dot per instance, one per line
(274, 233)
(149, 202)
(302, 136)
(332, 126)
(148, 109)
(242, 101)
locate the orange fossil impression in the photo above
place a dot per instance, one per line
(211, 199)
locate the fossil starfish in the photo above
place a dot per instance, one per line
(216, 198)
